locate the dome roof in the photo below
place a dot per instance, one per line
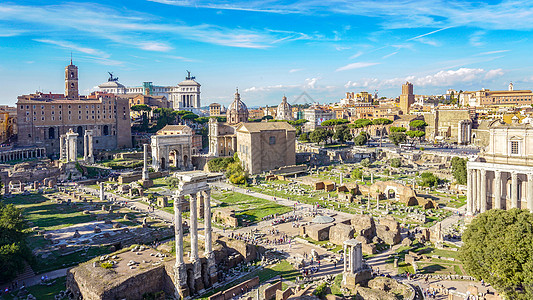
(284, 105)
(237, 104)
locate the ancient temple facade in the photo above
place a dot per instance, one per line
(502, 176)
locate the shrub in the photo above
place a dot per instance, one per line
(106, 265)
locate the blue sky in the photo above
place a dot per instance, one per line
(268, 48)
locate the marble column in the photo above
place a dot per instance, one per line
(530, 192)
(483, 190)
(514, 190)
(344, 257)
(145, 174)
(209, 254)
(469, 194)
(194, 236)
(497, 190)
(180, 271)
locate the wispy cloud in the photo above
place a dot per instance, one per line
(295, 70)
(176, 57)
(476, 39)
(107, 23)
(356, 65)
(356, 55)
(507, 14)
(429, 33)
(72, 46)
(390, 54)
(493, 52)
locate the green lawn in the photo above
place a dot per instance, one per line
(42, 292)
(249, 208)
(48, 215)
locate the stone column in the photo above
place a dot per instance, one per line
(530, 191)
(483, 190)
(180, 271)
(62, 150)
(209, 254)
(344, 257)
(193, 229)
(497, 189)
(469, 198)
(102, 194)
(86, 147)
(478, 191)
(146, 176)
(514, 190)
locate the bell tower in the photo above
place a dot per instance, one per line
(71, 81)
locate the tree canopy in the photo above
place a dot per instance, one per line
(334, 122)
(397, 129)
(497, 247)
(342, 134)
(418, 124)
(141, 107)
(13, 248)
(459, 169)
(361, 139)
(429, 179)
(381, 121)
(320, 135)
(418, 134)
(361, 123)
(397, 137)
(165, 116)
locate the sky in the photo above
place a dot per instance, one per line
(307, 50)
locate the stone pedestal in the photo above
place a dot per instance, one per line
(147, 183)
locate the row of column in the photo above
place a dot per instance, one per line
(180, 267)
(477, 191)
(22, 154)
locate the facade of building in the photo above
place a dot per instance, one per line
(284, 111)
(172, 147)
(315, 116)
(264, 146)
(43, 118)
(450, 125)
(407, 98)
(8, 123)
(486, 97)
(353, 98)
(502, 177)
(183, 96)
(215, 110)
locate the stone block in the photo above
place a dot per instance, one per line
(364, 225)
(340, 233)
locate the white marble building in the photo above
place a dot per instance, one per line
(502, 176)
(183, 96)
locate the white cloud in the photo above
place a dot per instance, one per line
(493, 52)
(356, 65)
(132, 27)
(72, 46)
(494, 73)
(295, 70)
(390, 54)
(356, 55)
(476, 39)
(444, 78)
(507, 14)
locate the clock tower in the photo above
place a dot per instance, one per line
(71, 81)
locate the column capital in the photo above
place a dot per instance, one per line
(483, 171)
(470, 170)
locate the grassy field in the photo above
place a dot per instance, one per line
(48, 215)
(42, 292)
(249, 208)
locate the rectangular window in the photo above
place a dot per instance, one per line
(514, 147)
(272, 140)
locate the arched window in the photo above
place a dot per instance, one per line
(51, 133)
(105, 130)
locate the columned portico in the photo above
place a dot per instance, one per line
(498, 186)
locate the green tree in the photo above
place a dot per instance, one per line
(396, 162)
(497, 247)
(141, 107)
(304, 137)
(381, 122)
(172, 182)
(357, 173)
(13, 248)
(334, 122)
(418, 124)
(366, 162)
(397, 129)
(459, 169)
(429, 179)
(361, 139)
(319, 135)
(165, 116)
(235, 173)
(397, 137)
(219, 164)
(342, 134)
(415, 134)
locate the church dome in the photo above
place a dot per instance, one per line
(237, 111)
(284, 111)
(237, 104)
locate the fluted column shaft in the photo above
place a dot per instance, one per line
(207, 223)
(178, 230)
(514, 190)
(483, 190)
(530, 192)
(193, 227)
(497, 189)
(469, 192)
